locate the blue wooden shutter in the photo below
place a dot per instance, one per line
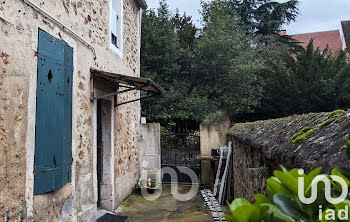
(53, 134)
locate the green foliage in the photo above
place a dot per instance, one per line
(326, 123)
(289, 206)
(226, 67)
(310, 81)
(335, 113)
(167, 55)
(160, 52)
(265, 17)
(185, 30)
(274, 214)
(171, 140)
(283, 203)
(242, 210)
(302, 135)
(215, 69)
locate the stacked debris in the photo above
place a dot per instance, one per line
(213, 204)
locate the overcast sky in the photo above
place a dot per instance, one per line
(315, 15)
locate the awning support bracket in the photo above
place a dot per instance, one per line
(135, 100)
(119, 92)
(129, 89)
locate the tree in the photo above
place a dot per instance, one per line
(185, 30)
(221, 68)
(226, 65)
(311, 81)
(160, 56)
(265, 17)
(184, 65)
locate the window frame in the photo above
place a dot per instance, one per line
(115, 49)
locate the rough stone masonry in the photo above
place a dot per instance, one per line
(302, 141)
(18, 70)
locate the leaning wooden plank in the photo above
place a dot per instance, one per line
(225, 172)
(218, 172)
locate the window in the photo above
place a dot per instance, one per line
(116, 26)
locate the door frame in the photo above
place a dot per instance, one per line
(104, 162)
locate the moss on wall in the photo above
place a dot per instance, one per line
(301, 134)
(335, 113)
(326, 123)
(294, 142)
(308, 131)
(306, 141)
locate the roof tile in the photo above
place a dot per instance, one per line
(321, 40)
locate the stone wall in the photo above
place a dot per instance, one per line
(131, 35)
(260, 147)
(251, 169)
(212, 136)
(18, 70)
(126, 147)
(150, 144)
(150, 147)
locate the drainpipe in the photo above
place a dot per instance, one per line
(4, 20)
(143, 4)
(140, 30)
(6, 218)
(61, 25)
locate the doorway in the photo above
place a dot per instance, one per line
(105, 163)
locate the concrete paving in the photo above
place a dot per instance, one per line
(166, 208)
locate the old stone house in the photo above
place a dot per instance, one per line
(69, 125)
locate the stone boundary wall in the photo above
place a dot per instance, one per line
(260, 147)
(149, 147)
(212, 136)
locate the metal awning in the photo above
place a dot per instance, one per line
(114, 81)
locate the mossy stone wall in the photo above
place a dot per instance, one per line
(260, 147)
